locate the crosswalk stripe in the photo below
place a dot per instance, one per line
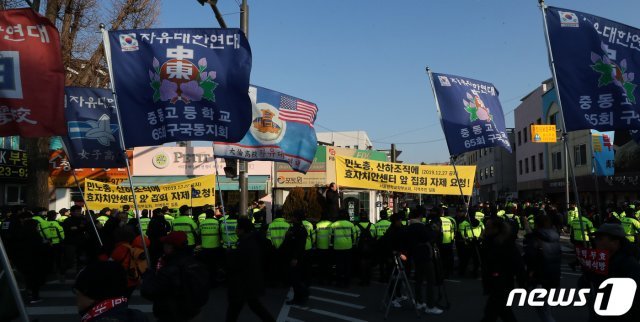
(322, 299)
(283, 316)
(73, 310)
(329, 314)
(333, 291)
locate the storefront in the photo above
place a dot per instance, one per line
(612, 189)
(13, 177)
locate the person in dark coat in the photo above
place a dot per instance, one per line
(158, 228)
(501, 266)
(34, 257)
(100, 290)
(543, 256)
(332, 198)
(622, 264)
(244, 273)
(292, 250)
(179, 287)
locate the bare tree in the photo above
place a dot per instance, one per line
(83, 58)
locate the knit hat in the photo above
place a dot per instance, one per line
(176, 238)
(102, 280)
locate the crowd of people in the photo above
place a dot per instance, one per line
(192, 250)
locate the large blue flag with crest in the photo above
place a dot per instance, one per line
(596, 60)
(281, 131)
(181, 84)
(470, 112)
(93, 139)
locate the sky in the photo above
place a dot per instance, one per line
(363, 61)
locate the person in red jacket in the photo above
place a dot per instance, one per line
(129, 253)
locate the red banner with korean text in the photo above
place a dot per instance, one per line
(31, 76)
(593, 260)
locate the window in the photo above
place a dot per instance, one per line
(491, 171)
(481, 174)
(541, 161)
(14, 195)
(556, 161)
(526, 165)
(553, 118)
(520, 166)
(533, 163)
(539, 121)
(355, 147)
(519, 138)
(524, 133)
(486, 173)
(580, 154)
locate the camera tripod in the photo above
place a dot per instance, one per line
(398, 286)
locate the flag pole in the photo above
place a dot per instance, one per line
(565, 136)
(107, 54)
(224, 211)
(452, 158)
(13, 284)
(86, 206)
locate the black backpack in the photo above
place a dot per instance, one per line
(366, 240)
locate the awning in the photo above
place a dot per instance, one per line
(256, 183)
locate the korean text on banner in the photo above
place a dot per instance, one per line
(281, 131)
(408, 178)
(603, 153)
(31, 75)
(471, 114)
(200, 191)
(93, 139)
(181, 84)
(543, 133)
(595, 61)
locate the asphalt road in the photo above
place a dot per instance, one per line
(326, 303)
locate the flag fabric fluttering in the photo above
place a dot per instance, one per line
(93, 139)
(31, 76)
(603, 152)
(470, 112)
(181, 84)
(281, 131)
(595, 62)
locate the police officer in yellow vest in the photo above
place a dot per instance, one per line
(323, 258)
(54, 233)
(228, 234)
(578, 226)
(447, 227)
(105, 213)
(572, 213)
(144, 221)
(343, 234)
(64, 214)
(630, 225)
(211, 252)
(386, 210)
(276, 232)
(186, 224)
(382, 225)
(470, 230)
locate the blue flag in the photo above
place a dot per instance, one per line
(281, 131)
(470, 113)
(596, 60)
(603, 153)
(93, 139)
(181, 84)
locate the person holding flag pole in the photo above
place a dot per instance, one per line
(107, 49)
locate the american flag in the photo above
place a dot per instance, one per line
(295, 110)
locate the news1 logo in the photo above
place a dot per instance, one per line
(614, 297)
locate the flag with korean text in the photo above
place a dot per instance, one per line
(281, 131)
(93, 139)
(470, 113)
(595, 60)
(31, 75)
(603, 152)
(181, 84)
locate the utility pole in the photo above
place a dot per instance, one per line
(244, 165)
(394, 157)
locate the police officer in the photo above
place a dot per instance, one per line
(54, 234)
(276, 232)
(211, 252)
(630, 225)
(343, 233)
(447, 226)
(308, 251)
(580, 229)
(168, 215)
(292, 249)
(228, 234)
(323, 256)
(383, 262)
(185, 223)
(260, 216)
(366, 234)
(105, 213)
(386, 210)
(203, 215)
(64, 214)
(144, 221)
(470, 230)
